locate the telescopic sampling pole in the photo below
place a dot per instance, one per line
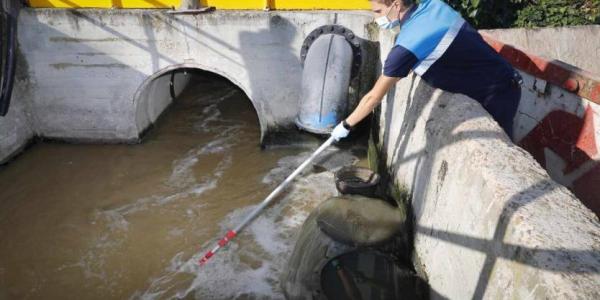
(232, 233)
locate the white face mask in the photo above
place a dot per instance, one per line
(385, 23)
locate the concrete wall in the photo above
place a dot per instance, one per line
(219, 4)
(575, 45)
(557, 120)
(157, 93)
(561, 130)
(15, 128)
(87, 69)
(490, 223)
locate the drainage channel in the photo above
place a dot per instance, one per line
(130, 221)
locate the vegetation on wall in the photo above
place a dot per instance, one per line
(559, 13)
(528, 13)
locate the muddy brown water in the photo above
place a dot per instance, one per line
(131, 221)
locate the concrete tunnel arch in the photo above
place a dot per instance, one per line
(150, 101)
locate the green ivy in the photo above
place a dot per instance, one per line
(488, 13)
(559, 13)
(528, 13)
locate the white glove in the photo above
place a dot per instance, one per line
(340, 132)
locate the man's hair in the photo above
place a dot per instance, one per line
(405, 3)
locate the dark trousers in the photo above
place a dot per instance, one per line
(503, 105)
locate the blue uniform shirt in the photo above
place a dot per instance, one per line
(437, 44)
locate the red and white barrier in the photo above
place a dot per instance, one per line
(558, 120)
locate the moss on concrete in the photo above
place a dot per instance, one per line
(373, 156)
(372, 31)
(400, 194)
(419, 268)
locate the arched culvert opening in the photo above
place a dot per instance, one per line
(192, 88)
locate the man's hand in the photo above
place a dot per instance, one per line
(340, 131)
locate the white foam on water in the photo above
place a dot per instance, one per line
(253, 263)
(331, 159)
(93, 262)
(285, 166)
(182, 174)
(209, 115)
(183, 184)
(250, 266)
(116, 218)
(210, 120)
(182, 170)
(182, 178)
(175, 232)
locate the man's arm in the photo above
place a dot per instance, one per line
(371, 99)
(397, 65)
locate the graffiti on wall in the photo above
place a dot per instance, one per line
(565, 144)
(557, 120)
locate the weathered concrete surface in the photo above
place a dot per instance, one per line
(157, 94)
(15, 127)
(87, 69)
(490, 223)
(571, 78)
(575, 45)
(341, 225)
(312, 251)
(360, 221)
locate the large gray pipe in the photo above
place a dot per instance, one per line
(325, 83)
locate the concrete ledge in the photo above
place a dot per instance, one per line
(490, 223)
(573, 79)
(575, 45)
(557, 120)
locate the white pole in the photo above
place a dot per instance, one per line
(232, 233)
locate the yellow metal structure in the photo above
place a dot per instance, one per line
(105, 3)
(219, 4)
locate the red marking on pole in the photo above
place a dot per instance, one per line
(226, 239)
(570, 78)
(230, 235)
(207, 256)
